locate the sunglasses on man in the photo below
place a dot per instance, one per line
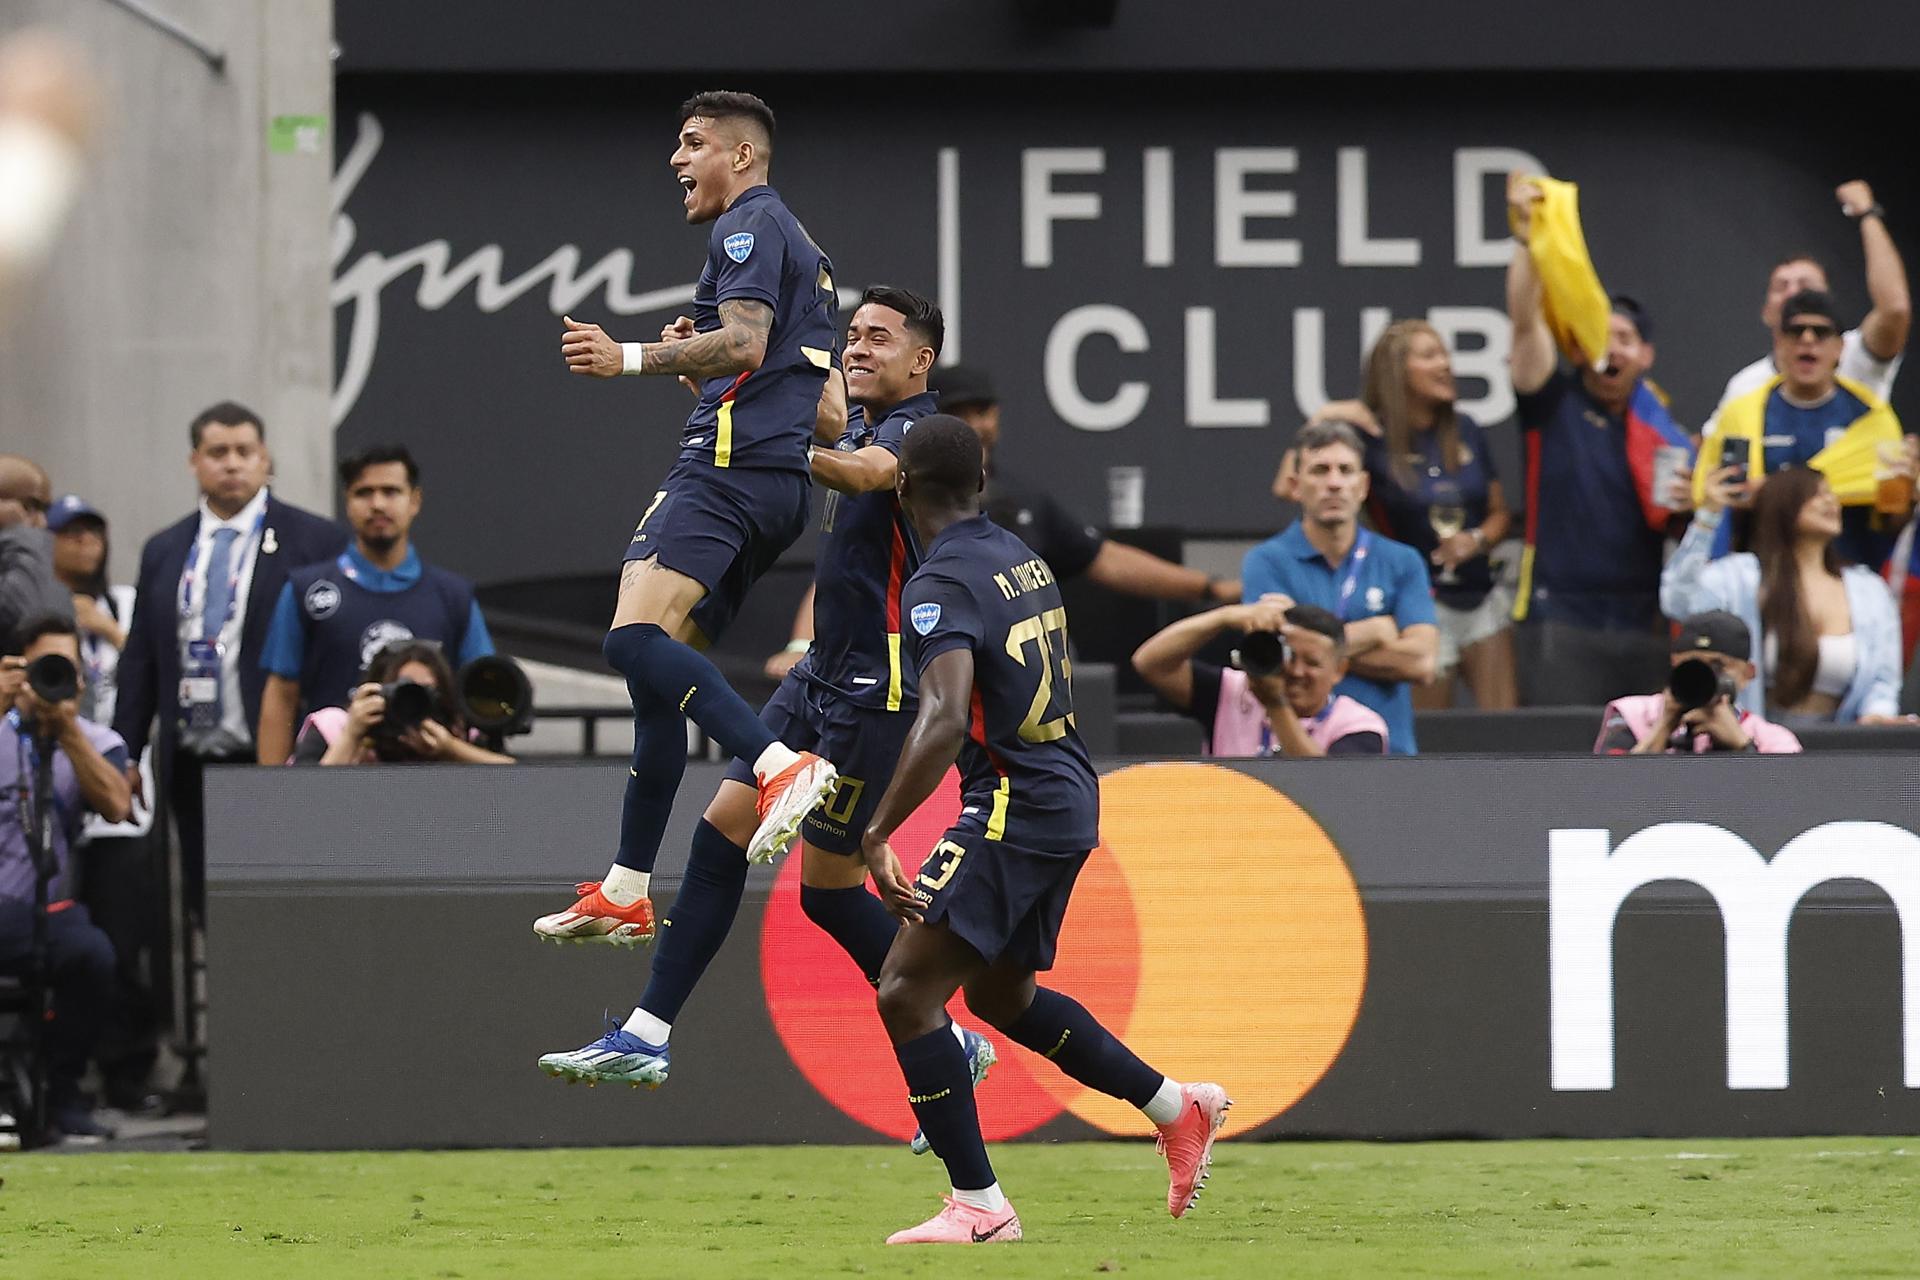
(1810, 329)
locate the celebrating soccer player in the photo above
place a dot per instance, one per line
(759, 347)
(851, 698)
(990, 644)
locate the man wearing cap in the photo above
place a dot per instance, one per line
(1658, 724)
(1589, 607)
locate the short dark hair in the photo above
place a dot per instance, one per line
(1792, 258)
(38, 626)
(728, 104)
(228, 413)
(942, 452)
(372, 456)
(923, 315)
(1321, 435)
(1311, 617)
(1808, 302)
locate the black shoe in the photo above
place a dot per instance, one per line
(77, 1122)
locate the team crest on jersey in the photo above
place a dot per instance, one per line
(925, 617)
(321, 600)
(381, 634)
(1376, 599)
(738, 245)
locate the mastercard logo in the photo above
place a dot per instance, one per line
(1217, 930)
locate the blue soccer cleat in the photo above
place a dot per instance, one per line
(980, 1057)
(617, 1057)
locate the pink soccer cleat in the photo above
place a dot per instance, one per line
(1187, 1143)
(963, 1224)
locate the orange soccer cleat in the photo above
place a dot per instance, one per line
(785, 800)
(1187, 1143)
(593, 918)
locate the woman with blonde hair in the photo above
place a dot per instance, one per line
(1433, 487)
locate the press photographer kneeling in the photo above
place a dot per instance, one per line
(1277, 698)
(1696, 713)
(56, 767)
(409, 709)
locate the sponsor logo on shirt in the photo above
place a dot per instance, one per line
(925, 617)
(738, 245)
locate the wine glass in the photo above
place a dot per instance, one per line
(1447, 515)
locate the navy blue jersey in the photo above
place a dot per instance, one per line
(867, 553)
(1024, 773)
(763, 419)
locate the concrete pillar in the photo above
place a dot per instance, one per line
(194, 269)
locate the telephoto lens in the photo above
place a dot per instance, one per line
(52, 676)
(1261, 653)
(1695, 684)
(496, 695)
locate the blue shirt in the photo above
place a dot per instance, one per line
(285, 652)
(1792, 435)
(1596, 562)
(69, 807)
(1024, 773)
(764, 419)
(1405, 514)
(1380, 577)
(867, 553)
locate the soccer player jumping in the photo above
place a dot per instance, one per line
(851, 697)
(759, 346)
(989, 635)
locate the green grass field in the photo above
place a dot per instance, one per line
(1812, 1207)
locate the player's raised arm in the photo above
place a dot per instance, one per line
(946, 689)
(737, 346)
(862, 471)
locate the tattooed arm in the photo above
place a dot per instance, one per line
(737, 346)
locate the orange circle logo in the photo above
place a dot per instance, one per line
(1217, 931)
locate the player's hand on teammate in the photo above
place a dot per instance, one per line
(782, 662)
(588, 349)
(896, 890)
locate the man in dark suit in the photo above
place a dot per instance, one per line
(206, 592)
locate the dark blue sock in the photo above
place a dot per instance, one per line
(682, 678)
(940, 1087)
(659, 762)
(1059, 1028)
(855, 919)
(692, 932)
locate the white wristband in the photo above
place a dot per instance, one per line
(632, 357)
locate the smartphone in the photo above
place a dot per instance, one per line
(1734, 454)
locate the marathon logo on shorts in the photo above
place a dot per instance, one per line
(739, 245)
(322, 600)
(925, 617)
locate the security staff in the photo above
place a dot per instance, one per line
(334, 616)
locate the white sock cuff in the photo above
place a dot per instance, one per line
(647, 1027)
(776, 757)
(991, 1199)
(624, 886)
(1164, 1106)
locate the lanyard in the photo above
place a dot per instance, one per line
(233, 574)
(27, 756)
(1266, 726)
(1355, 560)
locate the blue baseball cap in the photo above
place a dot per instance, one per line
(69, 507)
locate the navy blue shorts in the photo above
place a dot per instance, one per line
(723, 528)
(1004, 901)
(862, 744)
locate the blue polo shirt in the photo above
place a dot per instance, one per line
(1379, 577)
(285, 652)
(1793, 435)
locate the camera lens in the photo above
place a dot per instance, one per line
(1262, 653)
(408, 704)
(1694, 683)
(496, 695)
(52, 676)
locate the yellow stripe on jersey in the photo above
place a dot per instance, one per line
(818, 358)
(997, 820)
(893, 670)
(723, 435)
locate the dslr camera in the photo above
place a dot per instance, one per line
(1261, 653)
(1695, 683)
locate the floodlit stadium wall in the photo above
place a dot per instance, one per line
(1394, 948)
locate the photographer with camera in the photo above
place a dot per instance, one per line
(1277, 698)
(335, 616)
(56, 767)
(406, 710)
(1698, 711)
